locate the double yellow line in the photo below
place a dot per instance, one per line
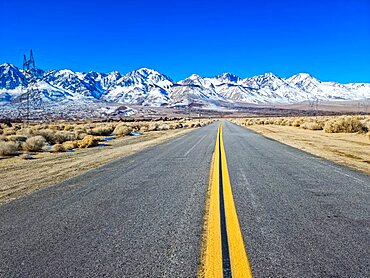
(223, 245)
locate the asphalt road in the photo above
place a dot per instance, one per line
(142, 216)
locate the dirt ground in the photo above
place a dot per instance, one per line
(19, 176)
(350, 149)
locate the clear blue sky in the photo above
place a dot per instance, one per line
(328, 39)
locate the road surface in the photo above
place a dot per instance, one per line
(142, 216)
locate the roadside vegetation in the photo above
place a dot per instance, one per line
(342, 139)
(33, 138)
(329, 124)
(36, 156)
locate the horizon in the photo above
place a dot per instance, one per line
(326, 39)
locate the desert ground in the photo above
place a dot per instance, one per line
(342, 139)
(35, 156)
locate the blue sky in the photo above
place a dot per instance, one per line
(328, 39)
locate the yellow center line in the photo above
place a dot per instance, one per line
(238, 256)
(211, 259)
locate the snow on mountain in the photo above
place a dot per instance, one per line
(11, 78)
(140, 87)
(188, 93)
(110, 79)
(76, 83)
(315, 88)
(227, 78)
(151, 88)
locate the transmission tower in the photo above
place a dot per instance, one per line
(30, 102)
(29, 64)
(314, 104)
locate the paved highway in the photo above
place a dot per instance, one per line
(142, 216)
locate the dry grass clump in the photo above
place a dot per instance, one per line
(17, 138)
(54, 136)
(101, 130)
(298, 122)
(9, 148)
(135, 126)
(57, 148)
(152, 126)
(34, 144)
(312, 125)
(48, 134)
(366, 123)
(163, 127)
(88, 142)
(347, 124)
(122, 130)
(26, 132)
(63, 136)
(9, 131)
(80, 132)
(70, 145)
(69, 127)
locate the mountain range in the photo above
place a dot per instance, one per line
(148, 87)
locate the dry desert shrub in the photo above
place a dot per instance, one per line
(88, 141)
(135, 126)
(69, 127)
(250, 122)
(278, 121)
(152, 126)
(9, 131)
(289, 122)
(163, 127)
(17, 138)
(48, 134)
(34, 144)
(63, 136)
(80, 132)
(70, 145)
(297, 122)
(347, 124)
(101, 130)
(144, 128)
(312, 126)
(26, 132)
(269, 122)
(366, 124)
(57, 148)
(8, 148)
(122, 130)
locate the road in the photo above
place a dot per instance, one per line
(142, 216)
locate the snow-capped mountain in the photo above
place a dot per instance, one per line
(143, 87)
(150, 88)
